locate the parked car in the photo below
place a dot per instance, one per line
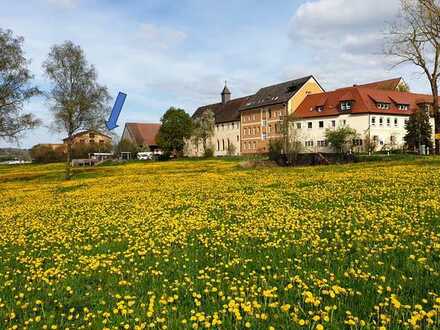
(147, 155)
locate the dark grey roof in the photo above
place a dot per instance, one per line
(226, 90)
(224, 112)
(275, 94)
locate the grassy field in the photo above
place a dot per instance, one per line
(206, 244)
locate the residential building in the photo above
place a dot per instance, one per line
(142, 134)
(377, 114)
(90, 137)
(262, 114)
(226, 137)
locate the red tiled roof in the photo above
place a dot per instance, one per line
(390, 84)
(364, 101)
(143, 134)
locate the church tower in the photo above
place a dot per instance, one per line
(226, 94)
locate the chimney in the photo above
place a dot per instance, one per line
(226, 94)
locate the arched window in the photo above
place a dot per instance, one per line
(223, 144)
(218, 145)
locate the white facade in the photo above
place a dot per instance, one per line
(387, 131)
(225, 141)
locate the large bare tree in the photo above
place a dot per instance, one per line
(15, 87)
(78, 102)
(415, 38)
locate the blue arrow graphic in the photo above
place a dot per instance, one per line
(119, 103)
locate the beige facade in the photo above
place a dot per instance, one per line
(310, 87)
(90, 137)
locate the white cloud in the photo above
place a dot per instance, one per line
(346, 38)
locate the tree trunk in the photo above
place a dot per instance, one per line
(435, 109)
(68, 174)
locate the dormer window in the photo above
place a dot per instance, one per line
(403, 107)
(383, 106)
(320, 108)
(345, 105)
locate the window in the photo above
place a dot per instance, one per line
(345, 105)
(264, 136)
(388, 122)
(320, 109)
(380, 121)
(322, 143)
(270, 113)
(309, 124)
(358, 142)
(101, 141)
(396, 122)
(255, 145)
(308, 143)
(321, 124)
(238, 138)
(264, 123)
(232, 125)
(82, 141)
(406, 121)
(223, 144)
(270, 128)
(92, 135)
(298, 125)
(383, 106)
(92, 141)
(403, 107)
(229, 144)
(333, 123)
(218, 145)
(343, 122)
(373, 121)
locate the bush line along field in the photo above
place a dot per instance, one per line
(206, 244)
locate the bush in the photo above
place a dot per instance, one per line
(81, 151)
(275, 149)
(46, 154)
(208, 153)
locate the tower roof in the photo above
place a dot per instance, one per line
(226, 90)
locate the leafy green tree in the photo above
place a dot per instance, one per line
(128, 146)
(15, 87)
(340, 139)
(418, 130)
(78, 101)
(203, 128)
(176, 128)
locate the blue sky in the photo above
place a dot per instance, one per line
(166, 53)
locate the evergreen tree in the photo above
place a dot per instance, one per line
(418, 130)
